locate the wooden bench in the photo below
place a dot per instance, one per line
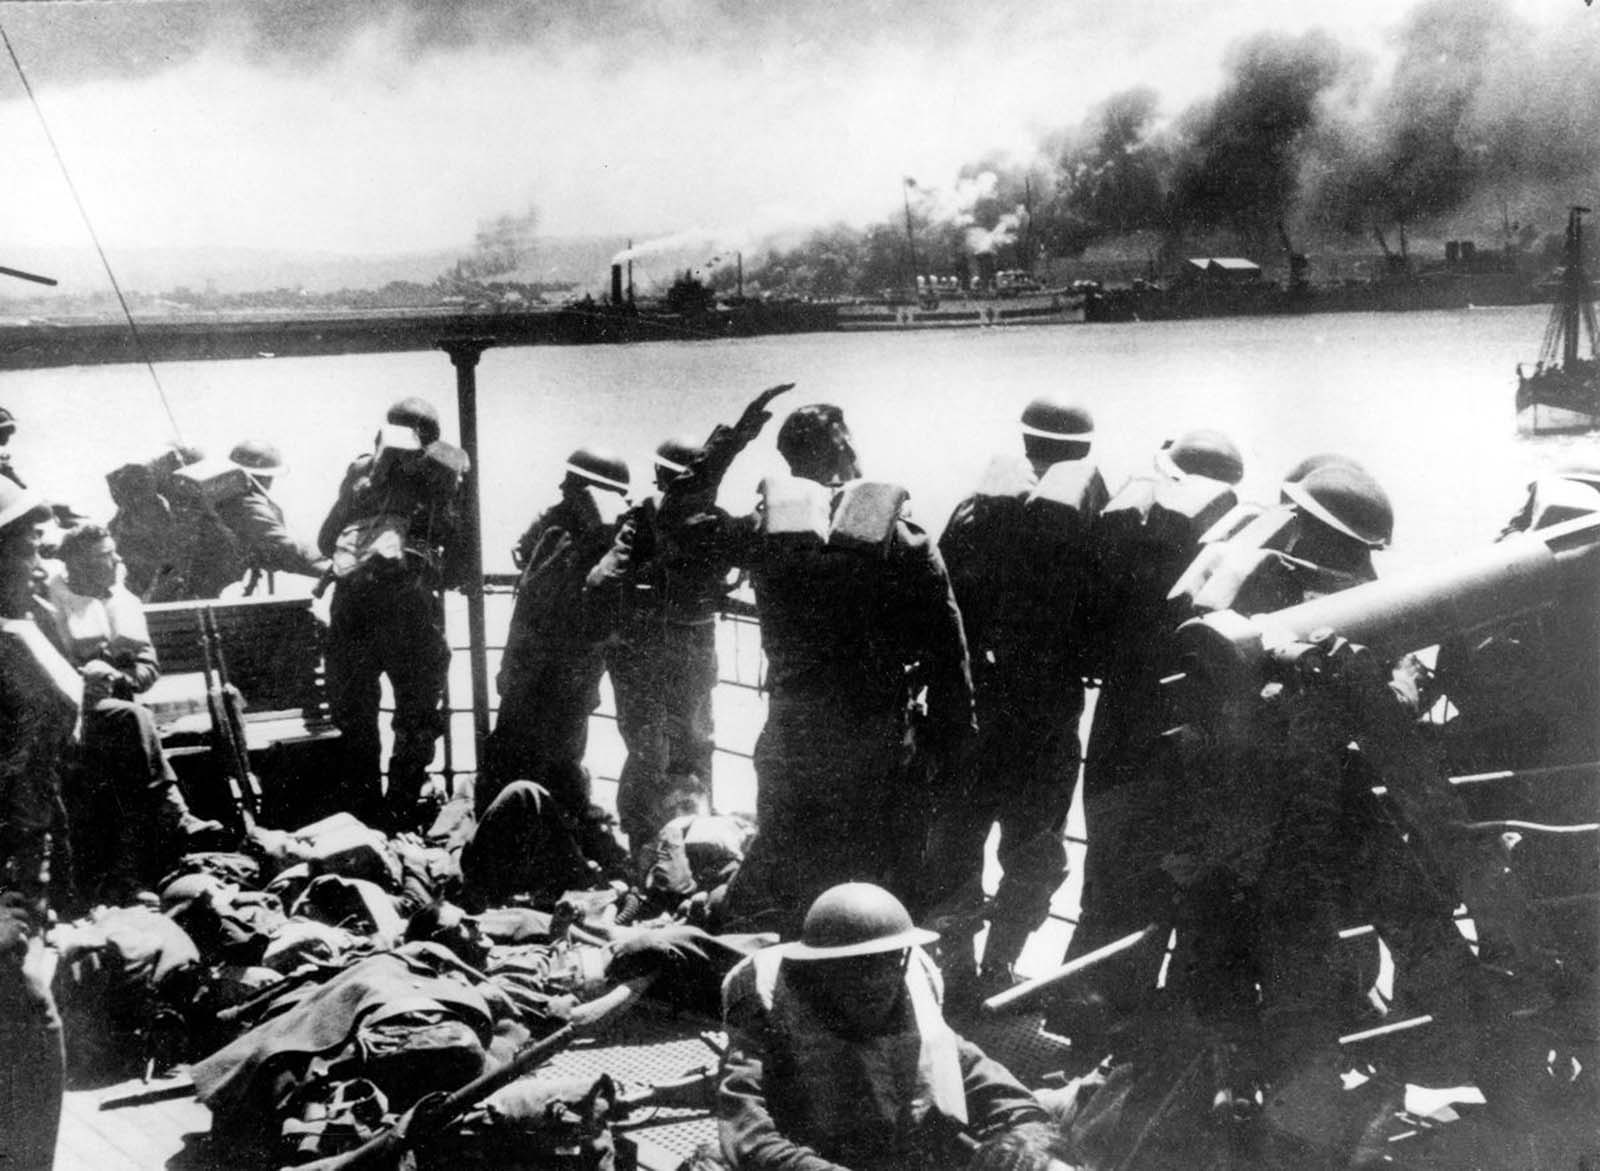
(273, 648)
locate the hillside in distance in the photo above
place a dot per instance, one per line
(582, 261)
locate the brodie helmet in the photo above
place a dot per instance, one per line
(1312, 462)
(1055, 428)
(673, 457)
(418, 414)
(601, 468)
(257, 458)
(8, 424)
(1344, 496)
(1202, 453)
(856, 919)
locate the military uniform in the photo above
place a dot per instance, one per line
(257, 524)
(1146, 537)
(661, 586)
(851, 630)
(395, 548)
(798, 1094)
(1020, 567)
(550, 672)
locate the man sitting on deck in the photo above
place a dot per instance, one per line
(127, 813)
(838, 1054)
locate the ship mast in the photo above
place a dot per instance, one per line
(1573, 315)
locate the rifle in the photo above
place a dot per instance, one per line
(226, 707)
(433, 1114)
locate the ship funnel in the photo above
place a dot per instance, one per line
(616, 284)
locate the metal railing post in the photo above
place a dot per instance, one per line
(464, 354)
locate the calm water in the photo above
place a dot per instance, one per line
(1423, 399)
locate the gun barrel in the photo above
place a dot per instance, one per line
(1523, 573)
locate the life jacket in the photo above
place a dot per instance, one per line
(401, 511)
(214, 480)
(832, 611)
(163, 529)
(1151, 530)
(859, 1098)
(864, 516)
(52, 686)
(95, 627)
(1232, 556)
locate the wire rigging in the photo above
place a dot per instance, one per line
(133, 328)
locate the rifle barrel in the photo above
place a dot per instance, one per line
(1033, 988)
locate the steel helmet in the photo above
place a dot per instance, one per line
(674, 456)
(8, 422)
(1344, 496)
(1312, 462)
(1056, 428)
(20, 505)
(418, 414)
(856, 919)
(1202, 453)
(257, 457)
(600, 467)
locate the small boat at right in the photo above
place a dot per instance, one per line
(1561, 394)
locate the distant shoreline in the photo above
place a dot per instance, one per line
(44, 342)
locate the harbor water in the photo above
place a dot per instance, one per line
(1424, 399)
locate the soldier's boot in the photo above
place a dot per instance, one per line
(180, 829)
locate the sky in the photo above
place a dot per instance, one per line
(380, 126)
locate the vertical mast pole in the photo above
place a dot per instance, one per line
(464, 354)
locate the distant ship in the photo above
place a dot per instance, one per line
(1015, 299)
(1562, 392)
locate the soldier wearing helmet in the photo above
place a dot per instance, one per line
(1019, 564)
(1143, 540)
(839, 1054)
(550, 672)
(1260, 836)
(393, 544)
(256, 521)
(662, 589)
(191, 526)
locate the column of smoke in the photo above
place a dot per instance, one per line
(1476, 111)
(501, 246)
